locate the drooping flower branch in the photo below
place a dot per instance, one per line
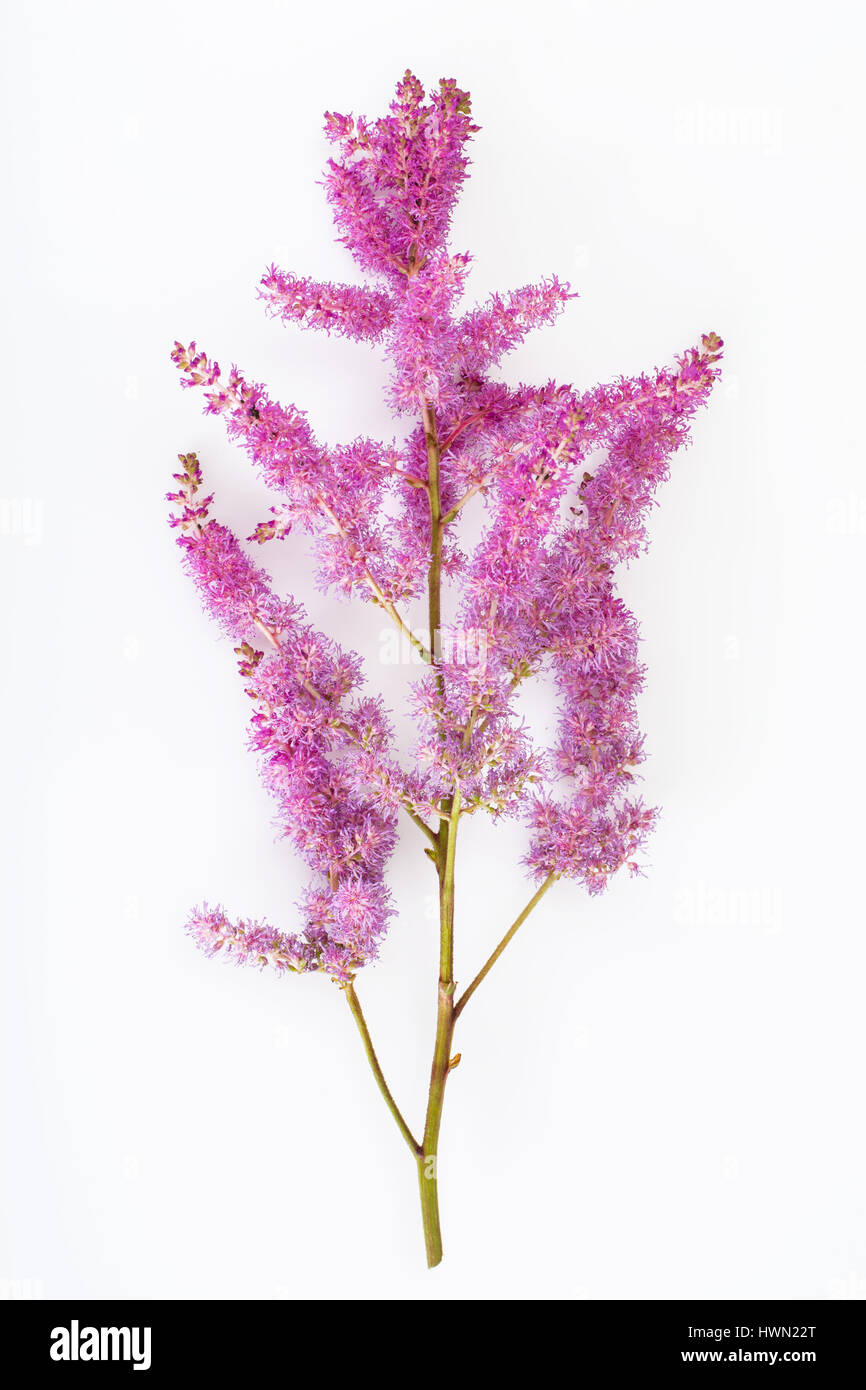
(538, 592)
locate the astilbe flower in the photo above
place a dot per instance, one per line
(537, 593)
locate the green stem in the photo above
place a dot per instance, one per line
(357, 1014)
(447, 845)
(493, 958)
(444, 844)
(447, 851)
(429, 1156)
(434, 574)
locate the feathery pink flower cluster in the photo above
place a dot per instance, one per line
(539, 587)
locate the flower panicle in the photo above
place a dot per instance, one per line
(351, 311)
(249, 942)
(563, 481)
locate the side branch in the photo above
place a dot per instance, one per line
(274, 638)
(354, 1005)
(380, 598)
(467, 496)
(484, 482)
(470, 990)
(407, 632)
(422, 825)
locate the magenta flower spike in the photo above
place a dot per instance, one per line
(538, 592)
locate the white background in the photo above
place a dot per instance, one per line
(661, 1091)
